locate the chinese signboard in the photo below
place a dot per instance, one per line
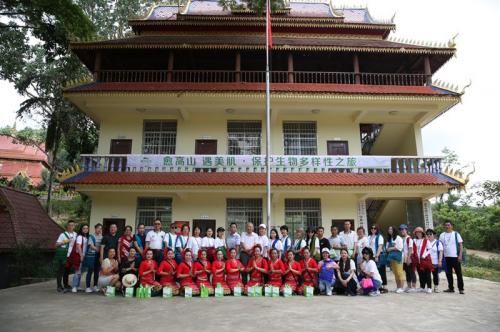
(256, 161)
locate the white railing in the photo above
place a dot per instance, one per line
(256, 164)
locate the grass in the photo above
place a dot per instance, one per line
(481, 268)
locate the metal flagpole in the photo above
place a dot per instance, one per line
(268, 124)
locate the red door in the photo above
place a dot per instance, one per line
(205, 146)
(337, 148)
(119, 146)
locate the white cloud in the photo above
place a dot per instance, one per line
(468, 128)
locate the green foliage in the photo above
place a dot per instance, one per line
(450, 158)
(258, 6)
(29, 262)
(77, 209)
(482, 268)
(20, 182)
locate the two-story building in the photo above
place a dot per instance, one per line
(181, 110)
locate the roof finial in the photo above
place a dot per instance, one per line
(465, 87)
(393, 17)
(451, 42)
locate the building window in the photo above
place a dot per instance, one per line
(159, 137)
(300, 138)
(243, 137)
(302, 213)
(241, 211)
(150, 208)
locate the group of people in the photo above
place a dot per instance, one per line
(347, 263)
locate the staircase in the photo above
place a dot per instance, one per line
(369, 133)
(373, 209)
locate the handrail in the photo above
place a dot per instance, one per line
(249, 76)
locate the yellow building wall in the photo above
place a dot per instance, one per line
(393, 214)
(215, 127)
(213, 206)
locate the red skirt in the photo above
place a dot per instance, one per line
(234, 281)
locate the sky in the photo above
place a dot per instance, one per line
(470, 127)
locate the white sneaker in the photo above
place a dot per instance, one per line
(74, 290)
(399, 291)
(428, 290)
(88, 290)
(377, 293)
(436, 290)
(412, 290)
(420, 290)
(96, 289)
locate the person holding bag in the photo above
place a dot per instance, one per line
(372, 280)
(394, 250)
(453, 255)
(423, 260)
(75, 259)
(64, 245)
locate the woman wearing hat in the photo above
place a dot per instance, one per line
(129, 280)
(218, 272)
(233, 270)
(202, 270)
(167, 271)
(257, 267)
(276, 269)
(309, 269)
(422, 260)
(292, 272)
(147, 271)
(186, 274)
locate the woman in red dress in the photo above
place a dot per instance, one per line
(310, 270)
(186, 274)
(167, 270)
(233, 270)
(218, 272)
(124, 244)
(202, 270)
(147, 271)
(292, 272)
(256, 267)
(276, 269)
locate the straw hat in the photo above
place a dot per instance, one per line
(418, 229)
(129, 280)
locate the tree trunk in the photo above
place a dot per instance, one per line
(52, 172)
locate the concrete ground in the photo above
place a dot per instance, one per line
(39, 307)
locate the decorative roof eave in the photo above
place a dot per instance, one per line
(307, 23)
(260, 19)
(276, 95)
(395, 50)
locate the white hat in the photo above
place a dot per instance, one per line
(263, 226)
(325, 250)
(129, 280)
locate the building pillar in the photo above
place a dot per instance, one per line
(237, 68)
(355, 64)
(427, 70)
(290, 67)
(97, 66)
(170, 66)
(362, 217)
(427, 207)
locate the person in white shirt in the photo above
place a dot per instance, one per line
(453, 251)
(263, 240)
(275, 242)
(336, 242)
(80, 250)
(376, 243)
(369, 270)
(197, 238)
(233, 240)
(423, 252)
(299, 244)
(285, 239)
(183, 242)
(220, 242)
(394, 247)
(154, 241)
(437, 249)
(64, 246)
(349, 239)
(208, 244)
(411, 276)
(361, 242)
(171, 237)
(248, 242)
(346, 281)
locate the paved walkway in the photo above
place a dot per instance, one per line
(39, 308)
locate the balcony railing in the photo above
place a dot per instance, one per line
(227, 76)
(323, 164)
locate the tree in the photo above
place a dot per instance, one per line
(257, 6)
(489, 192)
(21, 181)
(450, 158)
(34, 56)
